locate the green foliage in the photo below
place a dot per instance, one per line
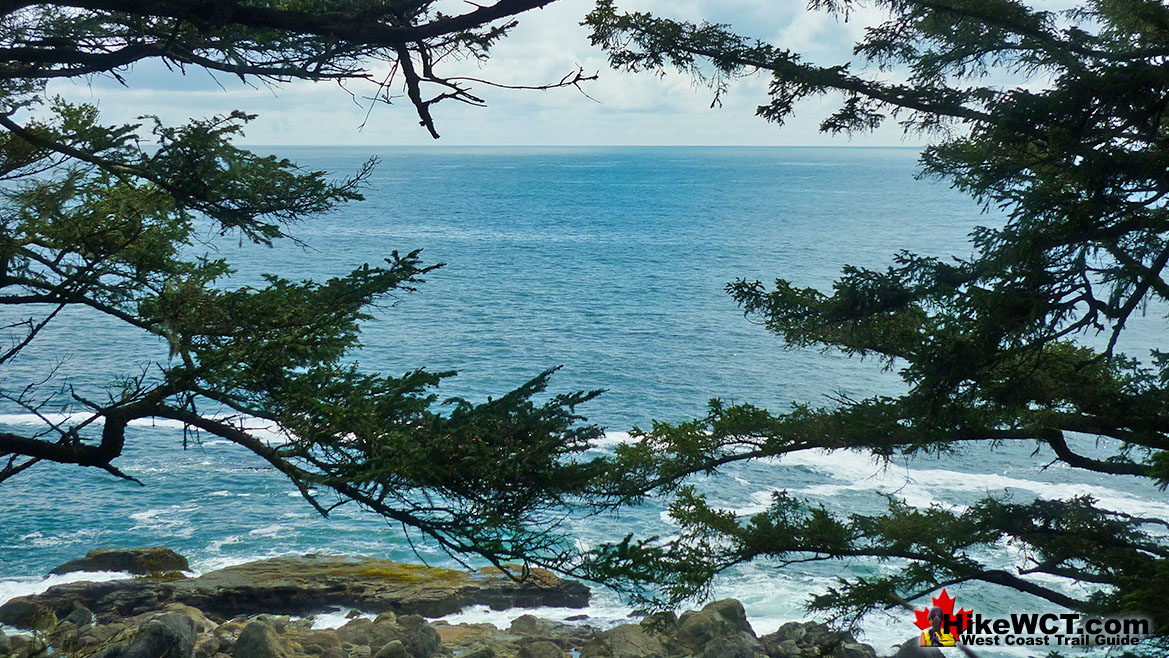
(112, 217)
(1056, 119)
(993, 348)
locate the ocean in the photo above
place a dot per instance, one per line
(610, 262)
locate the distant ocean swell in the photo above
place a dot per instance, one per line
(609, 261)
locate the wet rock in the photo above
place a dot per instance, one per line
(627, 641)
(28, 614)
(25, 645)
(540, 649)
(90, 639)
(717, 619)
(531, 625)
(260, 640)
(65, 635)
(320, 642)
(4, 645)
(457, 640)
(661, 622)
(80, 617)
(325, 639)
(419, 639)
(110, 601)
(169, 635)
(719, 630)
(566, 635)
(392, 649)
(207, 646)
(536, 588)
(310, 584)
(733, 646)
(228, 632)
(362, 631)
(198, 619)
(139, 561)
(477, 651)
(813, 640)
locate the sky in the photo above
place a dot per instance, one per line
(619, 109)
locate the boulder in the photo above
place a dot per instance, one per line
(228, 632)
(419, 639)
(392, 649)
(138, 561)
(540, 649)
(717, 619)
(731, 646)
(813, 640)
(260, 640)
(563, 634)
(207, 646)
(532, 625)
(719, 630)
(29, 614)
(627, 641)
(198, 619)
(470, 640)
(366, 632)
(310, 584)
(320, 642)
(169, 635)
(4, 645)
(662, 622)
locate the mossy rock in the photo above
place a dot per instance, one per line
(138, 561)
(398, 572)
(310, 584)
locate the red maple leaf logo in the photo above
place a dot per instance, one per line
(946, 603)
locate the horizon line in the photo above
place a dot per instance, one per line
(519, 146)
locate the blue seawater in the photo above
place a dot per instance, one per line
(610, 262)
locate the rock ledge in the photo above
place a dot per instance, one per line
(306, 585)
(138, 561)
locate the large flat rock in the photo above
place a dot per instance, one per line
(139, 561)
(310, 584)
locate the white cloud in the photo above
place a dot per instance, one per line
(629, 108)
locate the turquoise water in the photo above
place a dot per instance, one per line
(609, 261)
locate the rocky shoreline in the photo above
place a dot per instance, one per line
(256, 610)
